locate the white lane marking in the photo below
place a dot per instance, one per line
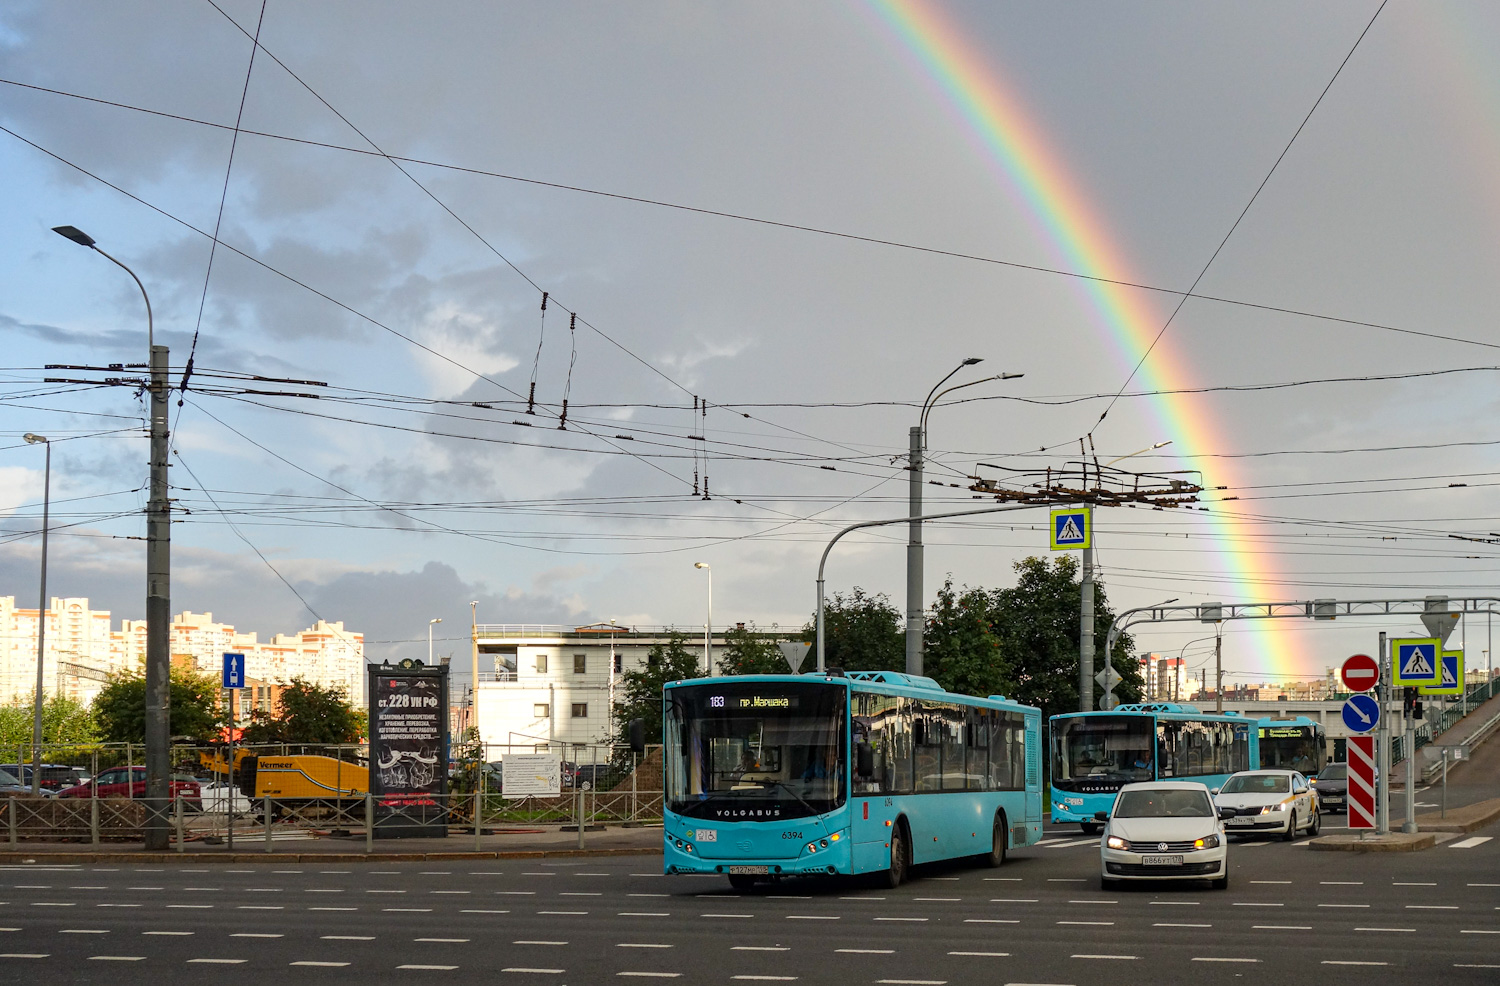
(1095, 924)
(1053, 842)
(720, 896)
(789, 897)
(1002, 879)
(532, 941)
(1097, 901)
(1281, 927)
(426, 910)
(638, 944)
(347, 937)
(913, 982)
(451, 941)
(1343, 905)
(430, 968)
(344, 909)
(1413, 884)
(286, 871)
(1066, 879)
(145, 888)
(939, 900)
(591, 874)
(1472, 965)
(1214, 958)
(436, 873)
(1086, 956)
(48, 903)
(1351, 962)
(1013, 900)
(83, 931)
(117, 958)
(465, 891)
(1270, 881)
(1079, 842)
(319, 965)
(901, 919)
(1411, 930)
(565, 893)
(1248, 903)
(260, 907)
(983, 955)
(759, 948)
(866, 951)
(725, 915)
(1252, 845)
(1167, 924)
(385, 891)
(219, 961)
(10, 929)
(23, 955)
(813, 917)
(192, 907)
(954, 879)
(990, 921)
(540, 873)
(549, 972)
(651, 975)
(1471, 842)
(1432, 907)
(1484, 884)
(1469, 931)
(848, 898)
(1179, 903)
(119, 905)
(254, 934)
(173, 934)
(88, 888)
(515, 893)
(776, 979)
(1342, 883)
(563, 913)
(480, 910)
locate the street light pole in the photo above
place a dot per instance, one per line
(708, 655)
(915, 599)
(41, 622)
(158, 579)
(430, 624)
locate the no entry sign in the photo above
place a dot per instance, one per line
(1360, 673)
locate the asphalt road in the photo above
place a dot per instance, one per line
(1290, 915)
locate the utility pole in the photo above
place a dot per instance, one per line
(1219, 673)
(1383, 744)
(1086, 632)
(39, 701)
(158, 617)
(915, 611)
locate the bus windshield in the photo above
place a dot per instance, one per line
(1117, 749)
(1292, 748)
(755, 750)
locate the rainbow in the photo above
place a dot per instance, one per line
(1015, 146)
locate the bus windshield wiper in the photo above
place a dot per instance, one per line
(788, 790)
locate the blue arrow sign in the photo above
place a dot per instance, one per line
(234, 670)
(1361, 713)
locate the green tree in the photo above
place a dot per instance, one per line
(746, 651)
(861, 632)
(962, 650)
(120, 708)
(640, 692)
(308, 713)
(1037, 622)
(64, 721)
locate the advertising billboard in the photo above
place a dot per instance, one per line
(409, 749)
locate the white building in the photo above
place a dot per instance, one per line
(1166, 678)
(82, 651)
(552, 687)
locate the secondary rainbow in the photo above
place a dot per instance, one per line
(1017, 149)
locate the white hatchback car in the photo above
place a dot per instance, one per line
(1163, 830)
(1279, 801)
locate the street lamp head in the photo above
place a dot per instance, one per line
(75, 234)
(34, 439)
(437, 620)
(700, 564)
(968, 362)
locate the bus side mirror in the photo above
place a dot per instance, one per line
(637, 729)
(864, 759)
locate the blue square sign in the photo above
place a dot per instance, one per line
(234, 670)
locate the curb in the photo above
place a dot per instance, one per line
(1487, 814)
(44, 858)
(1395, 842)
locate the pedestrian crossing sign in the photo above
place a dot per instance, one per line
(1414, 661)
(1452, 675)
(1072, 528)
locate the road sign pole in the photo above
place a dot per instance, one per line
(1410, 749)
(1086, 633)
(1383, 744)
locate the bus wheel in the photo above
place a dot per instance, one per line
(996, 855)
(741, 881)
(1089, 828)
(900, 858)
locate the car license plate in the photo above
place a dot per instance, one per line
(1247, 820)
(1161, 861)
(750, 870)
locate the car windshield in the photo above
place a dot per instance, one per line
(1179, 803)
(1335, 772)
(6, 777)
(1257, 784)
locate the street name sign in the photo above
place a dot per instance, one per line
(1360, 673)
(1361, 794)
(1072, 528)
(1361, 713)
(1414, 661)
(1452, 675)
(234, 670)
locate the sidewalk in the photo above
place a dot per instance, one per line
(511, 844)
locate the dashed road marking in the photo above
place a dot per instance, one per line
(319, 964)
(1281, 927)
(1097, 924)
(117, 958)
(219, 961)
(429, 968)
(347, 937)
(776, 979)
(991, 921)
(866, 951)
(1351, 962)
(1432, 907)
(173, 934)
(901, 919)
(449, 941)
(254, 934)
(651, 975)
(983, 955)
(759, 948)
(812, 917)
(1411, 930)
(726, 915)
(639, 944)
(533, 941)
(1167, 924)
(1088, 956)
(23, 955)
(1216, 958)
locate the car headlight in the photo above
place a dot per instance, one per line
(1208, 842)
(1115, 842)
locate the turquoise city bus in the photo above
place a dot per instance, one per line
(1094, 754)
(769, 776)
(1292, 743)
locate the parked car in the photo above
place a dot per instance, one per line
(11, 784)
(130, 782)
(595, 775)
(217, 797)
(1163, 830)
(55, 776)
(1278, 801)
(1332, 785)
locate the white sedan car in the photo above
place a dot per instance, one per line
(1163, 830)
(1279, 801)
(217, 798)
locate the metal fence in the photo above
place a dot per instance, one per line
(601, 786)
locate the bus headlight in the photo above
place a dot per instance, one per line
(1115, 842)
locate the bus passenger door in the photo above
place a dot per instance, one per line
(1033, 777)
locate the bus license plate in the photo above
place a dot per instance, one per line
(750, 870)
(1162, 861)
